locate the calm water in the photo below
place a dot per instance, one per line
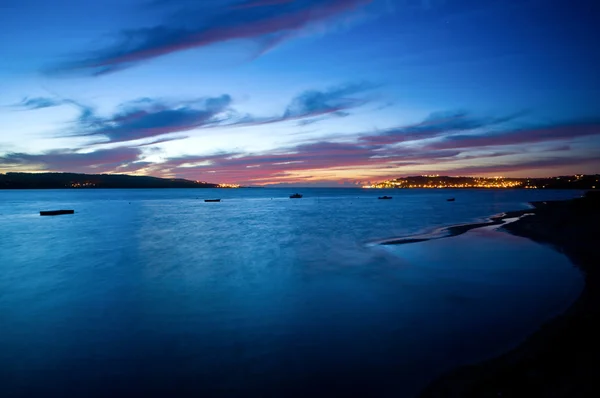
(155, 292)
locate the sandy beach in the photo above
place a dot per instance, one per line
(560, 359)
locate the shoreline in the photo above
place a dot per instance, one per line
(458, 229)
(560, 359)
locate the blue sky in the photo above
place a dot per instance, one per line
(300, 91)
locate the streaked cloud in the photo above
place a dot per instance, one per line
(266, 21)
(34, 103)
(163, 140)
(149, 118)
(334, 100)
(99, 161)
(374, 153)
(454, 141)
(312, 106)
(542, 133)
(39, 103)
(321, 155)
(523, 167)
(437, 124)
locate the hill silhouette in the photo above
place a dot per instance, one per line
(73, 180)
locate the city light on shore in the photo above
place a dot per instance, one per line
(440, 182)
(447, 182)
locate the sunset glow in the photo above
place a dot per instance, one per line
(327, 92)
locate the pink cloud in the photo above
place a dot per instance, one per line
(100, 161)
(314, 156)
(522, 136)
(531, 167)
(251, 20)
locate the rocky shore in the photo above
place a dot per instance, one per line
(562, 359)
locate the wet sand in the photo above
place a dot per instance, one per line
(455, 230)
(562, 358)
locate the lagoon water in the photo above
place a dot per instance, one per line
(156, 293)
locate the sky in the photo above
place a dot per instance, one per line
(304, 92)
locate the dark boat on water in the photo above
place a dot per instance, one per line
(450, 200)
(56, 212)
(385, 197)
(295, 196)
(212, 200)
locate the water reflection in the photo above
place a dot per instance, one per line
(161, 299)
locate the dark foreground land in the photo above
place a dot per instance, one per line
(73, 180)
(563, 358)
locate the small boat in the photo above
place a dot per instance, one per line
(56, 212)
(385, 197)
(212, 200)
(450, 200)
(295, 196)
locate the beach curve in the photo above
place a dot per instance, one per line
(560, 359)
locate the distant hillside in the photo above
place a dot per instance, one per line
(578, 181)
(72, 180)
